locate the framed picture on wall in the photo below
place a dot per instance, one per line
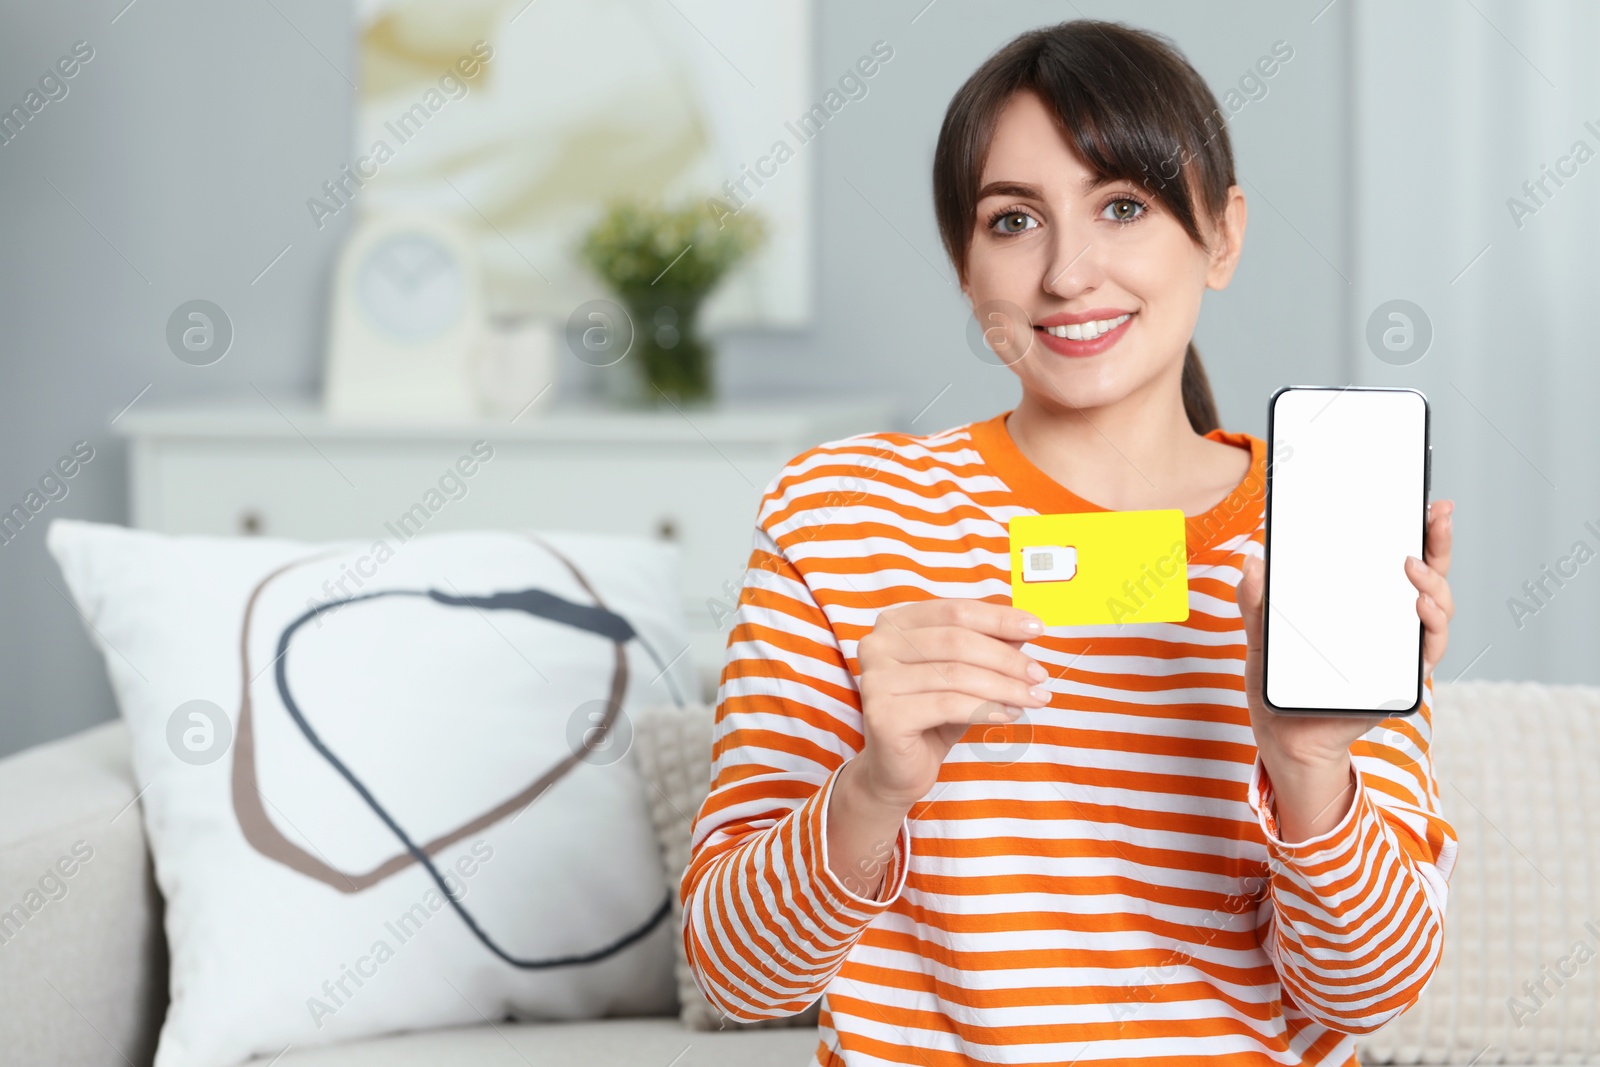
(485, 112)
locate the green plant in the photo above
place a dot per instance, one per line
(662, 261)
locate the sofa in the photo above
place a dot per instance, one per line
(1517, 763)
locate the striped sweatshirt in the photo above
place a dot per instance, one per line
(1100, 881)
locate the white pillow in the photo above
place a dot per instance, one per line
(294, 913)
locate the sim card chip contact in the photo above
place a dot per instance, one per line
(1049, 563)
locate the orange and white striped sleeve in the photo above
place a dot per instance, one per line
(766, 923)
(1356, 923)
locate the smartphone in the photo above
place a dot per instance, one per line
(1347, 502)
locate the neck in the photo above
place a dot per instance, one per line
(1121, 456)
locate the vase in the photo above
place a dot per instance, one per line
(672, 363)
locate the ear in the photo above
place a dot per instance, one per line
(1227, 241)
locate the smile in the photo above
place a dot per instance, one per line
(1086, 331)
(1087, 338)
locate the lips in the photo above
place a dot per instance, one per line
(1085, 333)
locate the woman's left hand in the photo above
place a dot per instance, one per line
(1307, 757)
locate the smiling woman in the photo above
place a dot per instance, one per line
(1112, 162)
(981, 839)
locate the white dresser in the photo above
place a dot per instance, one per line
(254, 467)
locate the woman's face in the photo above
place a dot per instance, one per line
(1105, 258)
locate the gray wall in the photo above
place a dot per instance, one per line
(186, 147)
(188, 144)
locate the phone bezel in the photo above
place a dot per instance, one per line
(1266, 592)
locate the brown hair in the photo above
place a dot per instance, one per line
(1131, 107)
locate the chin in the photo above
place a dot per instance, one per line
(1070, 396)
(1082, 385)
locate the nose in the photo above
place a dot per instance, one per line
(1074, 266)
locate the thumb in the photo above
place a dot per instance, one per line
(1249, 598)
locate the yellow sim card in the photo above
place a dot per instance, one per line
(1091, 568)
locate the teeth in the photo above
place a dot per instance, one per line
(1086, 331)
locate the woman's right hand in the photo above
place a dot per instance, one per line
(930, 671)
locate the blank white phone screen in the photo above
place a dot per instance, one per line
(1346, 507)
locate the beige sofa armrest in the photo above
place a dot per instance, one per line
(82, 953)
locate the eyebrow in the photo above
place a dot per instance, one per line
(1011, 188)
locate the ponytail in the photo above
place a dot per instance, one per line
(1198, 403)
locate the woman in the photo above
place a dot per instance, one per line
(1142, 864)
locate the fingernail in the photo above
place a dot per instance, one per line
(1428, 600)
(1036, 673)
(1041, 695)
(1032, 626)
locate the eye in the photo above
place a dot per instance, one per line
(1123, 209)
(1007, 216)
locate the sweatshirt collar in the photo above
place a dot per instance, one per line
(1238, 512)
